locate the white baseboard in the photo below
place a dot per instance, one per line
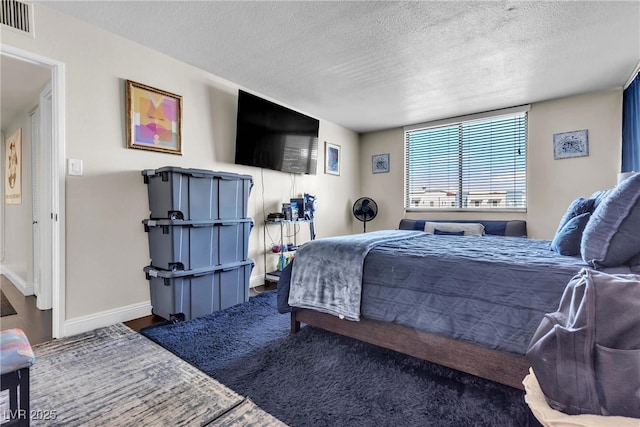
(90, 322)
(18, 281)
(106, 318)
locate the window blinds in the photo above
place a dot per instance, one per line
(477, 163)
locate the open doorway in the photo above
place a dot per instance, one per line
(38, 267)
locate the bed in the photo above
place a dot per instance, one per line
(465, 302)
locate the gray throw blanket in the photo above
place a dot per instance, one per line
(327, 273)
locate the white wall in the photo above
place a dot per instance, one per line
(387, 189)
(552, 184)
(16, 259)
(106, 247)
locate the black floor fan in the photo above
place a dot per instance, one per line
(365, 209)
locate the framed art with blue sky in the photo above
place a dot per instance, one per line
(331, 159)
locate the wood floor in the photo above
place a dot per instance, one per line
(35, 323)
(143, 322)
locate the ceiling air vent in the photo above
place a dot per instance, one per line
(16, 15)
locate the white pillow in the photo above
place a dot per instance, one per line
(469, 228)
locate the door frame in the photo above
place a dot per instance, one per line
(44, 174)
(53, 197)
(36, 160)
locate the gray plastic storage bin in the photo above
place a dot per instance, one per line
(186, 245)
(185, 295)
(195, 194)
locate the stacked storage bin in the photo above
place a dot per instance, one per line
(198, 234)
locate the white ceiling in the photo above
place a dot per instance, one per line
(370, 65)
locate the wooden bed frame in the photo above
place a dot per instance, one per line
(494, 365)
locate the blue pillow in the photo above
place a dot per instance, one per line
(567, 241)
(599, 196)
(448, 233)
(576, 208)
(611, 237)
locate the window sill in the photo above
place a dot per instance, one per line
(462, 210)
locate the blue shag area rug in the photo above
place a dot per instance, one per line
(317, 378)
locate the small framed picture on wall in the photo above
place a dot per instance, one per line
(13, 171)
(380, 163)
(571, 144)
(331, 158)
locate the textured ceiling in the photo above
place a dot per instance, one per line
(370, 65)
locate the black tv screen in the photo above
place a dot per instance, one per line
(271, 136)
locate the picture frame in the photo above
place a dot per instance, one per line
(380, 163)
(571, 144)
(332, 157)
(13, 170)
(154, 119)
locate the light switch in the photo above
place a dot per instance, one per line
(74, 167)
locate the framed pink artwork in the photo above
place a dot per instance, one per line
(154, 119)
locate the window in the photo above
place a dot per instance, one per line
(469, 163)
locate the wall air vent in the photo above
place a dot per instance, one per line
(17, 15)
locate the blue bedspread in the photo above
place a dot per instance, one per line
(492, 291)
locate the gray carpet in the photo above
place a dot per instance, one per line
(116, 377)
(6, 309)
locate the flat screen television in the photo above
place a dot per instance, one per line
(271, 136)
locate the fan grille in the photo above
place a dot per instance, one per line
(365, 209)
